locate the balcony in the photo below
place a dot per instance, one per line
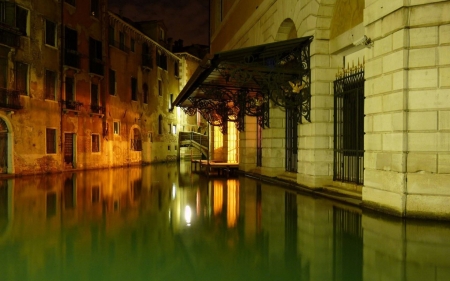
(119, 45)
(96, 66)
(97, 109)
(9, 36)
(72, 58)
(147, 61)
(9, 99)
(71, 105)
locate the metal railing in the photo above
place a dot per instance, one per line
(71, 105)
(9, 99)
(196, 140)
(97, 109)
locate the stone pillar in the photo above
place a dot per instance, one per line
(316, 138)
(406, 106)
(247, 145)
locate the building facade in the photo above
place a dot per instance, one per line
(377, 119)
(82, 88)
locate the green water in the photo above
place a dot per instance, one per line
(163, 222)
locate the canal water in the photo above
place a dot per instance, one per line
(162, 222)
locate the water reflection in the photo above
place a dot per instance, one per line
(163, 222)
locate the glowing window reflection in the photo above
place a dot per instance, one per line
(218, 197)
(232, 202)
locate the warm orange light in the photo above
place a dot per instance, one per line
(233, 202)
(218, 197)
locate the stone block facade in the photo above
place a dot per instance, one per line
(406, 105)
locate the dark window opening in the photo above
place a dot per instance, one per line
(21, 20)
(50, 33)
(70, 95)
(95, 11)
(112, 82)
(161, 60)
(95, 143)
(133, 89)
(291, 140)
(22, 78)
(95, 57)
(160, 127)
(50, 85)
(51, 140)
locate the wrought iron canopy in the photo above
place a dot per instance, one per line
(231, 84)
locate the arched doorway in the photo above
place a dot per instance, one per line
(3, 147)
(288, 31)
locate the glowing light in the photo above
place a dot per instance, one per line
(174, 191)
(187, 215)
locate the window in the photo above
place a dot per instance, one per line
(145, 89)
(176, 69)
(112, 82)
(160, 91)
(111, 35)
(95, 49)
(95, 11)
(22, 78)
(161, 34)
(174, 129)
(160, 128)
(50, 85)
(171, 102)
(132, 43)
(70, 93)
(22, 20)
(116, 128)
(95, 56)
(51, 140)
(136, 143)
(133, 89)
(3, 72)
(95, 143)
(71, 56)
(50, 33)
(71, 2)
(161, 60)
(121, 41)
(94, 98)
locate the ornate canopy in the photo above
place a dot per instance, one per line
(231, 84)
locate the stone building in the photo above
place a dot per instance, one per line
(363, 110)
(82, 88)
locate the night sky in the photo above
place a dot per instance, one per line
(185, 19)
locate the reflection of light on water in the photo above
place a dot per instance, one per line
(187, 215)
(233, 202)
(218, 197)
(174, 191)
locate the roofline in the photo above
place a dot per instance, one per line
(111, 14)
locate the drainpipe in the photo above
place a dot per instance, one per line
(61, 78)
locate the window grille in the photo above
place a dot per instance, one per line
(348, 164)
